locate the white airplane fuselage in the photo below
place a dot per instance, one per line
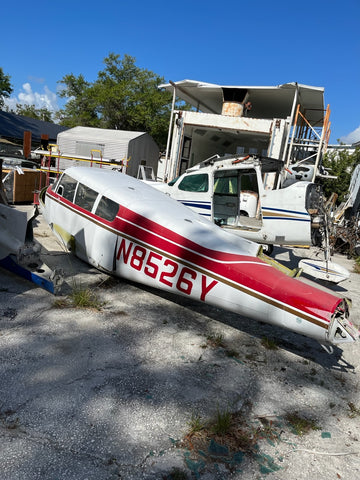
(126, 228)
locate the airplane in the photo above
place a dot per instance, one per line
(244, 195)
(126, 228)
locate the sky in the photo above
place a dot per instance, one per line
(228, 42)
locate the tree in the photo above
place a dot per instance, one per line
(341, 163)
(81, 107)
(31, 111)
(123, 97)
(5, 87)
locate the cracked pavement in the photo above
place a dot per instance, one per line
(103, 395)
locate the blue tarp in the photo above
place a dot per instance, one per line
(13, 126)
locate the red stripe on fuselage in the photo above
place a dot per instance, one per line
(249, 272)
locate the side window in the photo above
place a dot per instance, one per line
(85, 197)
(107, 209)
(195, 183)
(66, 187)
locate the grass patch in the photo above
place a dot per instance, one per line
(227, 429)
(229, 437)
(215, 341)
(62, 302)
(269, 343)
(85, 298)
(222, 422)
(195, 424)
(79, 298)
(300, 425)
(353, 410)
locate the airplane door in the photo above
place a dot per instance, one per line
(193, 191)
(95, 239)
(235, 196)
(105, 245)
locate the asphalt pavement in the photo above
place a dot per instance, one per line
(115, 391)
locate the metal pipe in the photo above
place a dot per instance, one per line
(170, 128)
(292, 115)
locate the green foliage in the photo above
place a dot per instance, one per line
(353, 410)
(81, 108)
(85, 298)
(341, 164)
(31, 111)
(299, 424)
(269, 343)
(195, 424)
(222, 422)
(123, 97)
(215, 340)
(5, 87)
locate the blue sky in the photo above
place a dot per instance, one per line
(229, 42)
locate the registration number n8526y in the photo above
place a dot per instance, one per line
(166, 271)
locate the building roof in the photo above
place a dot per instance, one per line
(267, 102)
(91, 133)
(13, 126)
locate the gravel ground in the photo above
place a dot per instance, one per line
(114, 393)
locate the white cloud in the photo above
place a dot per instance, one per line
(352, 137)
(27, 96)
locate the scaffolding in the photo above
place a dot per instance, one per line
(309, 141)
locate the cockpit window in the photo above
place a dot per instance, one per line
(195, 183)
(107, 209)
(85, 197)
(66, 187)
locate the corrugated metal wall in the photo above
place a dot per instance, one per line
(142, 151)
(137, 149)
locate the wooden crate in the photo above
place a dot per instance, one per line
(20, 188)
